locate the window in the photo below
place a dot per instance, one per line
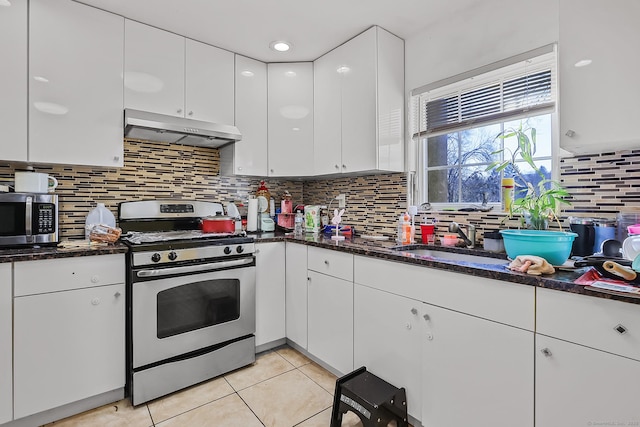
(456, 127)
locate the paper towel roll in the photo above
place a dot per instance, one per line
(252, 215)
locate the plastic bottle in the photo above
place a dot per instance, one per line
(407, 230)
(299, 220)
(98, 215)
(400, 229)
(508, 185)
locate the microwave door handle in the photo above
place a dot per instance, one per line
(194, 268)
(28, 216)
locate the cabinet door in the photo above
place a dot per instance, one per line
(270, 289)
(290, 91)
(75, 84)
(389, 345)
(6, 344)
(597, 101)
(153, 69)
(13, 85)
(476, 372)
(68, 346)
(248, 156)
(580, 386)
(359, 133)
(327, 113)
(296, 293)
(331, 320)
(209, 83)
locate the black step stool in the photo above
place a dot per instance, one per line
(372, 399)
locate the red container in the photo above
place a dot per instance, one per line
(427, 230)
(218, 224)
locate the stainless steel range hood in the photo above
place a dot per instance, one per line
(162, 128)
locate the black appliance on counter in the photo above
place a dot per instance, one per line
(190, 297)
(28, 219)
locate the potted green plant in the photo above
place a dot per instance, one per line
(536, 204)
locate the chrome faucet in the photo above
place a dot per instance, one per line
(469, 241)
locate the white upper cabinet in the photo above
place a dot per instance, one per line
(209, 83)
(168, 74)
(248, 156)
(359, 106)
(598, 101)
(75, 84)
(154, 69)
(13, 85)
(290, 106)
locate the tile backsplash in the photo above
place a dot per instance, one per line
(601, 185)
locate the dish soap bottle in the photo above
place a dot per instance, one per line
(297, 229)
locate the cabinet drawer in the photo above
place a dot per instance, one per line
(332, 263)
(590, 321)
(52, 275)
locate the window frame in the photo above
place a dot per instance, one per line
(417, 177)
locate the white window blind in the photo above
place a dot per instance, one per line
(518, 89)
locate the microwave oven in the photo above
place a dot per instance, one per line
(28, 219)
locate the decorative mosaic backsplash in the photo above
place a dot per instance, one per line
(151, 171)
(601, 186)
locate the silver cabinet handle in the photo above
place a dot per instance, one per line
(179, 111)
(621, 329)
(326, 262)
(426, 317)
(414, 311)
(117, 294)
(408, 326)
(271, 170)
(344, 166)
(546, 352)
(337, 167)
(191, 113)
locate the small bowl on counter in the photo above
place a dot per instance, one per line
(450, 240)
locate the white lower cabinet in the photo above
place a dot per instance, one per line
(68, 331)
(270, 292)
(387, 339)
(581, 386)
(6, 385)
(331, 320)
(475, 372)
(296, 293)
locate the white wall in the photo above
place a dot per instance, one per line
(489, 31)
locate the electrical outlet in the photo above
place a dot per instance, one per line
(342, 203)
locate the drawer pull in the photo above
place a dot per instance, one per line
(426, 317)
(117, 294)
(620, 329)
(546, 352)
(414, 311)
(408, 326)
(326, 262)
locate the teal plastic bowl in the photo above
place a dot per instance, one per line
(554, 246)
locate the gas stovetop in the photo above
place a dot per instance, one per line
(143, 237)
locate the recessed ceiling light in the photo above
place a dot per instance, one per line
(343, 69)
(247, 73)
(290, 73)
(582, 63)
(5, 3)
(280, 46)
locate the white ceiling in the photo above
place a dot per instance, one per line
(313, 27)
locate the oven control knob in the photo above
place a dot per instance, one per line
(239, 249)
(155, 257)
(173, 255)
(227, 250)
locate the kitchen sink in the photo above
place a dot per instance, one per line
(450, 256)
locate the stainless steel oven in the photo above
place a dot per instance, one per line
(191, 310)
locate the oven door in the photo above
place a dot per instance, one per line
(176, 315)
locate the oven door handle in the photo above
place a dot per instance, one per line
(194, 268)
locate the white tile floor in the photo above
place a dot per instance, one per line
(282, 388)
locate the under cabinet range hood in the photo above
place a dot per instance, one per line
(163, 128)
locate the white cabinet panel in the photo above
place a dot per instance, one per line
(68, 346)
(6, 343)
(599, 101)
(331, 320)
(13, 85)
(296, 293)
(580, 386)
(333, 263)
(75, 84)
(290, 88)
(209, 83)
(389, 345)
(154, 69)
(327, 104)
(270, 292)
(248, 156)
(476, 372)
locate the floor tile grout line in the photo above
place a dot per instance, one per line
(153, 423)
(252, 411)
(316, 382)
(191, 409)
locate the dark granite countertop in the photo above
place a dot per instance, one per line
(562, 280)
(49, 252)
